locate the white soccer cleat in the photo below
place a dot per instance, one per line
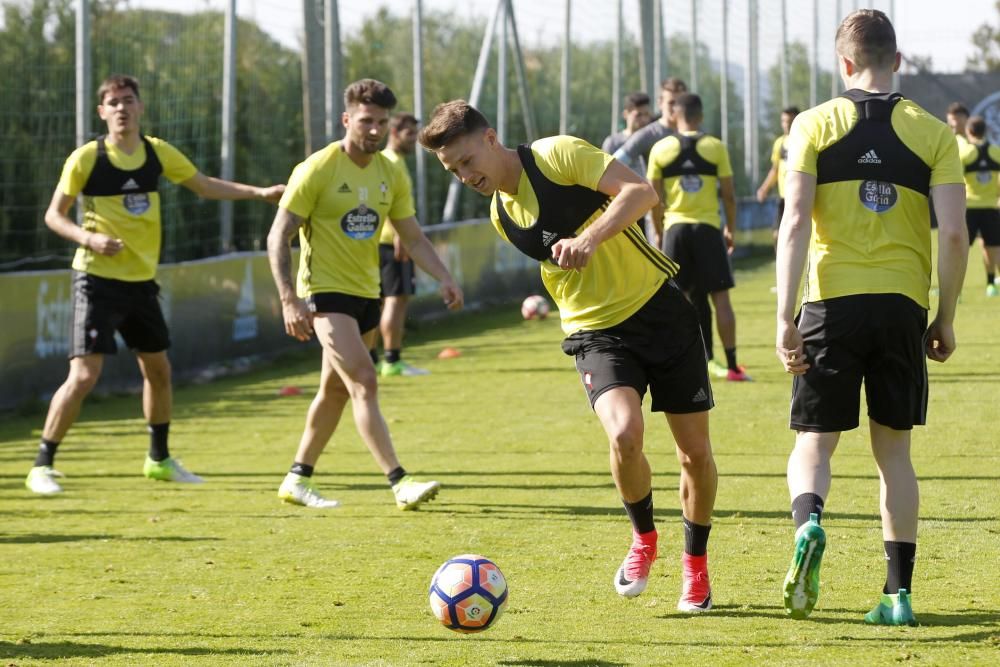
(299, 490)
(41, 480)
(410, 493)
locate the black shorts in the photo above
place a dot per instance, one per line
(780, 213)
(986, 223)
(102, 306)
(660, 346)
(878, 338)
(398, 278)
(701, 252)
(366, 311)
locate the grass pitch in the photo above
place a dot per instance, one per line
(120, 570)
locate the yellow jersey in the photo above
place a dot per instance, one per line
(127, 206)
(624, 271)
(344, 207)
(981, 172)
(779, 158)
(870, 218)
(388, 235)
(690, 165)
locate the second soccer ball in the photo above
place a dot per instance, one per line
(534, 308)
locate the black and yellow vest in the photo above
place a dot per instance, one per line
(983, 161)
(688, 161)
(107, 180)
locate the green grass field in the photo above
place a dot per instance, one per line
(120, 570)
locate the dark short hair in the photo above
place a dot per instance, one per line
(674, 85)
(369, 91)
(976, 127)
(450, 121)
(792, 111)
(117, 81)
(958, 109)
(689, 106)
(401, 119)
(867, 38)
(636, 100)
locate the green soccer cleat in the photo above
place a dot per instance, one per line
(400, 368)
(717, 369)
(892, 610)
(410, 493)
(991, 290)
(169, 470)
(802, 580)
(41, 480)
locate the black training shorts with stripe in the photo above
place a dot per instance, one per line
(102, 306)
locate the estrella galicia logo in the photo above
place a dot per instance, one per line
(691, 183)
(877, 196)
(136, 203)
(360, 223)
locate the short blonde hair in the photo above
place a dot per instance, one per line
(866, 37)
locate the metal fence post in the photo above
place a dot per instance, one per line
(502, 77)
(835, 84)
(724, 76)
(332, 57)
(616, 69)
(564, 78)
(784, 54)
(814, 52)
(750, 111)
(694, 46)
(83, 80)
(418, 106)
(228, 156)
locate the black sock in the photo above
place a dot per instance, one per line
(804, 505)
(158, 441)
(46, 453)
(731, 359)
(301, 469)
(640, 513)
(899, 557)
(990, 277)
(374, 356)
(392, 356)
(696, 538)
(396, 475)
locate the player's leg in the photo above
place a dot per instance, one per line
(398, 285)
(715, 277)
(725, 321)
(157, 405)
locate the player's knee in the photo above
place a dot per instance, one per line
(626, 441)
(82, 380)
(363, 384)
(696, 454)
(158, 374)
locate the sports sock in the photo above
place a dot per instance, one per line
(301, 469)
(804, 505)
(374, 356)
(395, 475)
(731, 359)
(696, 538)
(640, 513)
(899, 557)
(392, 356)
(990, 277)
(46, 453)
(158, 441)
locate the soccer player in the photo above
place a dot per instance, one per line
(981, 160)
(860, 169)
(398, 279)
(636, 115)
(337, 201)
(776, 175)
(691, 173)
(635, 151)
(957, 116)
(114, 270)
(573, 208)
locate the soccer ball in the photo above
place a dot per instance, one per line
(534, 308)
(468, 593)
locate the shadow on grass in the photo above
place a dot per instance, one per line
(564, 663)
(65, 650)
(38, 538)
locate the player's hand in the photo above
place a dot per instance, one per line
(761, 194)
(789, 347)
(399, 250)
(452, 295)
(298, 318)
(103, 244)
(272, 194)
(940, 339)
(727, 236)
(573, 253)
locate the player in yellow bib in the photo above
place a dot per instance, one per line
(861, 168)
(981, 163)
(776, 175)
(573, 208)
(691, 172)
(114, 270)
(337, 201)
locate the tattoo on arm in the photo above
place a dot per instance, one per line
(286, 225)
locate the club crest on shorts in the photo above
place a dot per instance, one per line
(588, 380)
(360, 223)
(877, 196)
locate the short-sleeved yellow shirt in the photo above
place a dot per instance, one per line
(981, 187)
(779, 157)
(344, 207)
(139, 227)
(855, 249)
(625, 270)
(690, 199)
(388, 235)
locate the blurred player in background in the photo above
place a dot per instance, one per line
(776, 175)
(636, 115)
(114, 270)
(634, 153)
(981, 161)
(337, 200)
(860, 170)
(572, 207)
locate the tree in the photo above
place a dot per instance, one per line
(986, 41)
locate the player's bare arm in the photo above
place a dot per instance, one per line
(769, 181)
(422, 252)
(657, 212)
(793, 246)
(728, 194)
(209, 187)
(294, 311)
(953, 255)
(633, 198)
(57, 219)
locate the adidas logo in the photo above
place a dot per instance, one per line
(870, 158)
(699, 396)
(130, 184)
(688, 164)
(548, 238)
(344, 188)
